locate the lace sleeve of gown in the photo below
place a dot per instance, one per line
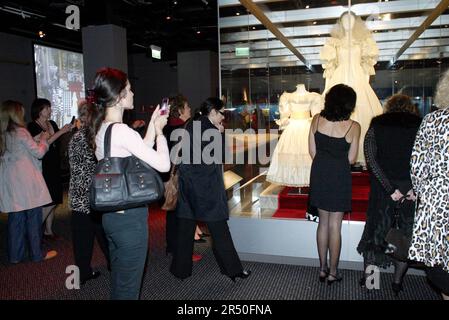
(328, 56)
(317, 104)
(421, 159)
(370, 54)
(370, 148)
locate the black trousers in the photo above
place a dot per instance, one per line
(85, 228)
(222, 247)
(439, 278)
(170, 231)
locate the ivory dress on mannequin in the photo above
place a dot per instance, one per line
(290, 164)
(348, 57)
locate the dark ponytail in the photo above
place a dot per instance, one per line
(209, 105)
(109, 85)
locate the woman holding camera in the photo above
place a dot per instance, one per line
(126, 231)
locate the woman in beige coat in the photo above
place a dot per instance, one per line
(23, 191)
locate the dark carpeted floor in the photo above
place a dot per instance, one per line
(46, 280)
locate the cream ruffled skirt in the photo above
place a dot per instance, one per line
(290, 164)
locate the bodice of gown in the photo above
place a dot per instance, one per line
(349, 60)
(348, 63)
(301, 102)
(299, 105)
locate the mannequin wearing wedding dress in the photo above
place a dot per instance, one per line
(349, 57)
(290, 164)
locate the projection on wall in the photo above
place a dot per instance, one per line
(60, 79)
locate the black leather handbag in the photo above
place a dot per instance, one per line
(398, 243)
(123, 183)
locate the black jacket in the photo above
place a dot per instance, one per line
(202, 195)
(388, 147)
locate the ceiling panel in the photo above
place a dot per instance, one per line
(308, 30)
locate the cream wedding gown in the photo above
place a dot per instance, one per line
(353, 64)
(290, 164)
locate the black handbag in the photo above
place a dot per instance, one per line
(398, 243)
(123, 183)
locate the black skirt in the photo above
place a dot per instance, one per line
(379, 220)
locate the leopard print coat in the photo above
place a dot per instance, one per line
(430, 178)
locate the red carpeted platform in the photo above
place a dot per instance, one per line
(293, 205)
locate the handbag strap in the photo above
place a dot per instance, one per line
(173, 169)
(107, 141)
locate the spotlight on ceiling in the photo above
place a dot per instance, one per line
(41, 34)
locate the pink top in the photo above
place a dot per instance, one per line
(126, 142)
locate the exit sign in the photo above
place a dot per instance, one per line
(242, 52)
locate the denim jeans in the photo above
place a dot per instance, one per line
(22, 225)
(127, 235)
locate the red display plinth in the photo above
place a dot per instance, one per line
(293, 205)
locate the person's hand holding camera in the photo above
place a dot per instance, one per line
(160, 122)
(221, 127)
(67, 128)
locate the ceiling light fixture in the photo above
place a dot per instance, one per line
(41, 34)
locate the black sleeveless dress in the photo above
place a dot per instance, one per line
(51, 164)
(330, 176)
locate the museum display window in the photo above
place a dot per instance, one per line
(272, 52)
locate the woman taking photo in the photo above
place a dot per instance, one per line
(333, 146)
(23, 191)
(126, 231)
(202, 196)
(51, 162)
(180, 113)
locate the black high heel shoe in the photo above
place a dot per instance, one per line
(397, 287)
(326, 274)
(337, 278)
(362, 281)
(92, 276)
(242, 275)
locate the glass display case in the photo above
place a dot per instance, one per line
(268, 48)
